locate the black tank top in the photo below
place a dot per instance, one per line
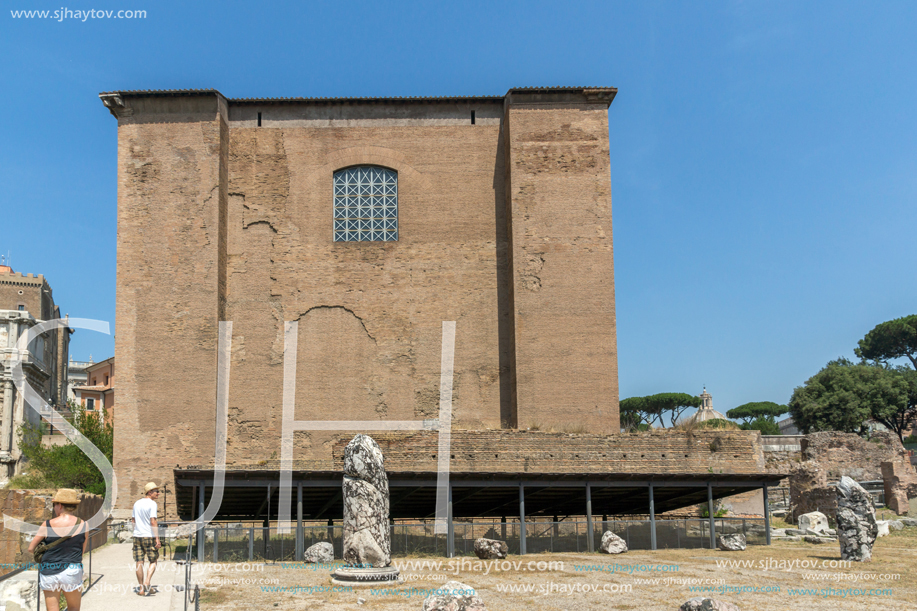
(64, 555)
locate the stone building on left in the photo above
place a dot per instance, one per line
(25, 301)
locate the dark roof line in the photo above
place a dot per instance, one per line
(192, 92)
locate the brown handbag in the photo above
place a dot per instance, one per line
(43, 547)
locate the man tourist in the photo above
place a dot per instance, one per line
(61, 568)
(146, 536)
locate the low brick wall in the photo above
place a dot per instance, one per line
(34, 506)
(516, 451)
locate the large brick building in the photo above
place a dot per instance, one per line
(370, 221)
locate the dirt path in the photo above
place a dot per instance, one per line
(760, 579)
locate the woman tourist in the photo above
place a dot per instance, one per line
(61, 568)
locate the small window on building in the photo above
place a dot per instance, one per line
(366, 205)
(90, 403)
(93, 382)
(21, 308)
(106, 380)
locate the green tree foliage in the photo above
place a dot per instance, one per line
(66, 466)
(891, 340)
(752, 411)
(759, 416)
(844, 395)
(650, 410)
(766, 424)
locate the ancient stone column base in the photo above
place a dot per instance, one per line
(346, 576)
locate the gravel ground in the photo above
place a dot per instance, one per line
(621, 582)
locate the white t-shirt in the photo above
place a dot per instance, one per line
(144, 511)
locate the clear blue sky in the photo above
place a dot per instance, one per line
(763, 154)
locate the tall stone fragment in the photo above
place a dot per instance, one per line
(856, 521)
(367, 541)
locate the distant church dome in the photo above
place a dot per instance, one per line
(706, 411)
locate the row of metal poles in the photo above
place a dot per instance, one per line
(450, 537)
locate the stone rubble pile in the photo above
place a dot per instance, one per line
(454, 596)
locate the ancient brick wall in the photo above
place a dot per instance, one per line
(840, 454)
(828, 456)
(167, 286)
(225, 216)
(534, 451)
(559, 197)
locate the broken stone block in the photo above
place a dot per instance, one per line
(731, 543)
(816, 539)
(612, 543)
(488, 549)
(319, 553)
(814, 520)
(707, 604)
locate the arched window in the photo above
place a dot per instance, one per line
(365, 204)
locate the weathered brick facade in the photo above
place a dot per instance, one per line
(504, 216)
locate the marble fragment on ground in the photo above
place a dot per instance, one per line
(489, 549)
(454, 596)
(814, 520)
(856, 521)
(707, 604)
(612, 543)
(731, 543)
(320, 553)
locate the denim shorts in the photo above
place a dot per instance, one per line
(67, 580)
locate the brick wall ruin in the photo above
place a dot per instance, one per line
(504, 227)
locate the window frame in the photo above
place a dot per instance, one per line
(364, 204)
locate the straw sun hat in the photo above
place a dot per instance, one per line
(150, 486)
(66, 496)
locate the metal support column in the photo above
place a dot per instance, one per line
(652, 519)
(590, 532)
(450, 526)
(300, 543)
(201, 534)
(710, 515)
(767, 517)
(521, 518)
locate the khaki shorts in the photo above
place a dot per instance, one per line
(145, 549)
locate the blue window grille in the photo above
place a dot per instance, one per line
(365, 205)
